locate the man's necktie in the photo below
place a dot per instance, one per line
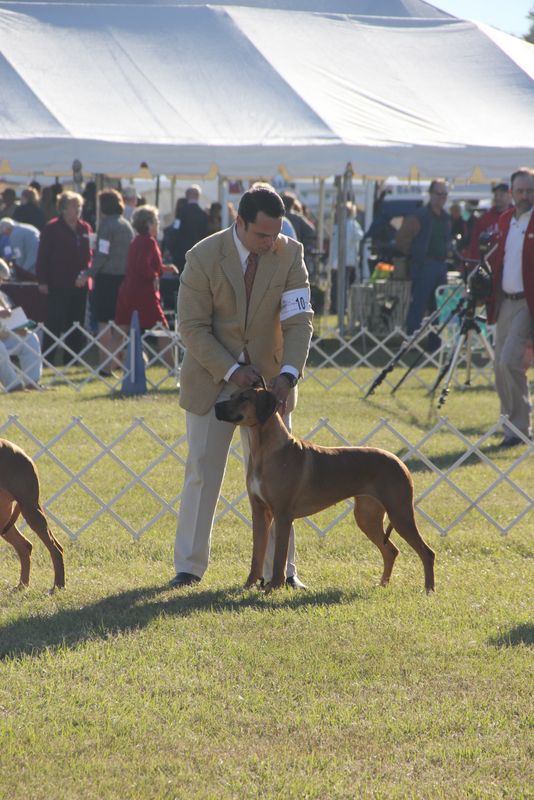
(250, 274)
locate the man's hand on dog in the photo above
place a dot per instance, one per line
(246, 376)
(280, 387)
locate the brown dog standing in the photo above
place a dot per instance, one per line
(19, 494)
(288, 478)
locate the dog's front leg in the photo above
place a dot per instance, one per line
(261, 521)
(282, 529)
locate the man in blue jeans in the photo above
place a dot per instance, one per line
(425, 236)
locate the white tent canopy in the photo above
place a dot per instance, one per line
(304, 86)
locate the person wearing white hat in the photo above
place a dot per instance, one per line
(22, 343)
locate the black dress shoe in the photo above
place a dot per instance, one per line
(510, 441)
(294, 582)
(184, 579)
(107, 373)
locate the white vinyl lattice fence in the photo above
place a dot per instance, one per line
(346, 356)
(332, 359)
(132, 482)
(63, 366)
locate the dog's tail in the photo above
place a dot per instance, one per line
(388, 533)
(11, 521)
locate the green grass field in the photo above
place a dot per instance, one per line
(121, 688)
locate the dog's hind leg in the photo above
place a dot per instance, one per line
(403, 520)
(23, 548)
(369, 515)
(34, 516)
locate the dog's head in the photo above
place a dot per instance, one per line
(247, 407)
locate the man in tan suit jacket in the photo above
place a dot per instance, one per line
(233, 335)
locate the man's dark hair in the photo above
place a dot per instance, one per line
(263, 199)
(9, 195)
(525, 172)
(180, 203)
(288, 200)
(434, 183)
(110, 202)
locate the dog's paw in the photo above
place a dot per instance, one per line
(274, 585)
(253, 581)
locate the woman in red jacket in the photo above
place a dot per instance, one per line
(139, 290)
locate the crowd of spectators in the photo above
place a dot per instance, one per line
(96, 258)
(48, 237)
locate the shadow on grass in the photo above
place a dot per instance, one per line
(135, 609)
(521, 634)
(402, 412)
(447, 460)
(443, 462)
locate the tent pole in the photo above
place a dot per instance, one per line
(369, 204)
(320, 248)
(223, 200)
(99, 185)
(173, 194)
(157, 192)
(320, 227)
(341, 242)
(345, 189)
(77, 176)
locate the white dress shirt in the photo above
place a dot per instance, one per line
(243, 254)
(512, 276)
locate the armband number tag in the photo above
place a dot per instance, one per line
(296, 301)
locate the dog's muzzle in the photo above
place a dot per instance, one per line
(224, 413)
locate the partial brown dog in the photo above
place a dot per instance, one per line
(19, 494)
(289, 478)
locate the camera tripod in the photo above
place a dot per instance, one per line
(430, 323)
(465, 308)
(470, 323)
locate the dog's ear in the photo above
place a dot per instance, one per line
(260, 382)
(265, 406)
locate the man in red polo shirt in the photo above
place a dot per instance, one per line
(62, 264)
(511, 306)
(488, 223)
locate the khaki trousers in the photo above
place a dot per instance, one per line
(513, 356)
(209, 443)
